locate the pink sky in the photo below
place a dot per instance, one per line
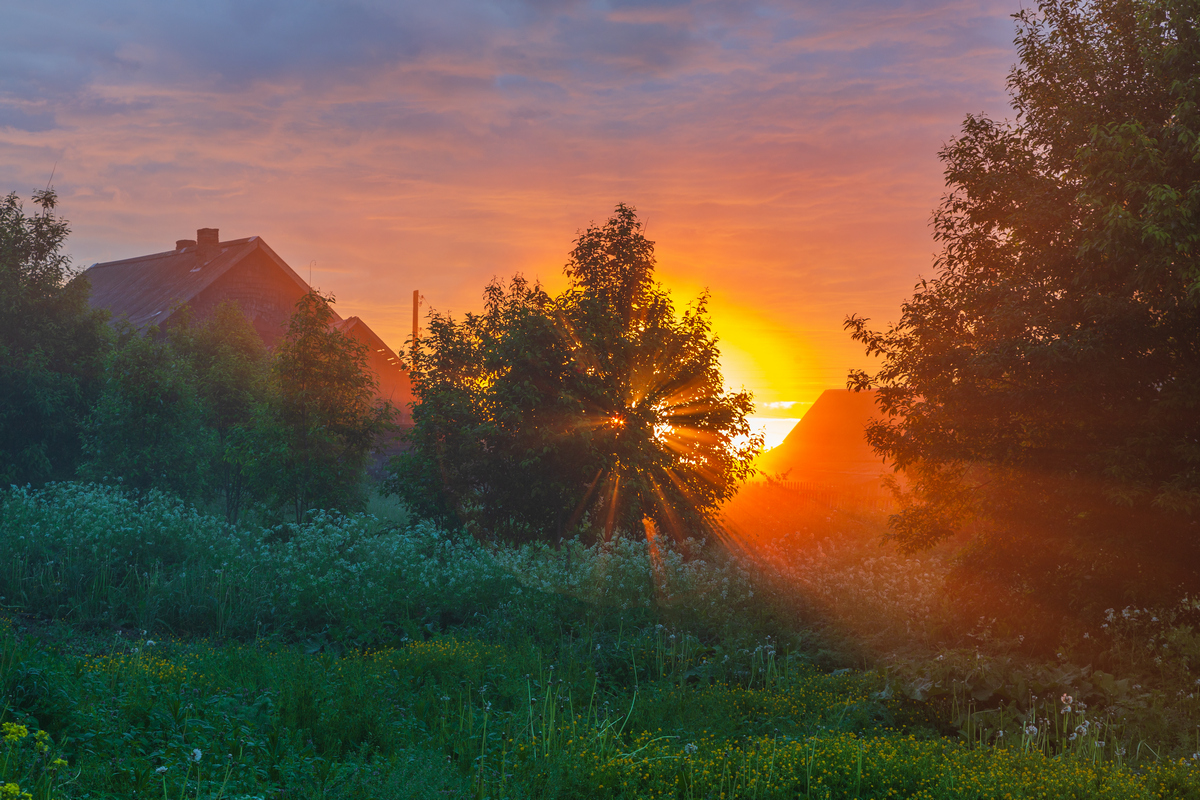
(783, 154)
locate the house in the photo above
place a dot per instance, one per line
(204, 272)
(829, 446)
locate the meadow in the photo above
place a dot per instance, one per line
(149, 649)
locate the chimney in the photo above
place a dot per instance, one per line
(182, 243)
(208, 245)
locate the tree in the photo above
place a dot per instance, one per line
(598, 408)
(149, 428)
(232, 368)
(324, 420)
(1043, 388)
(51, 346)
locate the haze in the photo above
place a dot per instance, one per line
(783, 154)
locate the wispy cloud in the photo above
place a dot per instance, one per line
(784, 154)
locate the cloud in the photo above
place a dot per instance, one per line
(783, 154)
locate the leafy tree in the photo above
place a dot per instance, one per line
(1044, 386)
(51, 346)
(149, 429)
(600, 407)
(324, 420)
(232, 368)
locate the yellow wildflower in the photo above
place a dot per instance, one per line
(13, 733)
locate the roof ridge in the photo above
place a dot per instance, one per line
(169, 253)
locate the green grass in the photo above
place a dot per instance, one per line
(455, 717)
(161, 653)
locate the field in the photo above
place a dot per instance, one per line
(150, 650)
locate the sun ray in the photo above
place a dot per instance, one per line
(577, 514)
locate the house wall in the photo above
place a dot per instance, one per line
(394, 385)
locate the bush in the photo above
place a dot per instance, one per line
(96, 555)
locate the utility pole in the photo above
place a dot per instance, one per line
(416, 319)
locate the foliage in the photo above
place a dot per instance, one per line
(31, 766)
(232, 367)
(1135, 669)
(600, 407)
(96, 554)
(149, 428)
(51, 346)
(635, 713)
(1042, 387)
(206, 410)
(380, 651)
(93, 553)
(323, 420)
(193, 411)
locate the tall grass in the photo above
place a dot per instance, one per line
(451, 717)
(1136, 669)
(365, 655)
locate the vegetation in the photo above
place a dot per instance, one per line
(51, 346)
(232, 369)
(323, 419)
(383, 657)
(594, 410)
(513, 626)
(149, 428)
(202, 410)
(1042, 386)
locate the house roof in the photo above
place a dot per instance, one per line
(354, 326)
(146, 289)
(830, 439)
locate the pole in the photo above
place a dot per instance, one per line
(416, 317)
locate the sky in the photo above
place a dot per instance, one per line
(783, 155)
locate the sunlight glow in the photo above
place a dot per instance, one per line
(758, 350)
(773, 429)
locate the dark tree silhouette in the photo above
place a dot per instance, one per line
(51, 346)
(149, 428)
(324, 420)
(599, 409)
(232, 368)
(1044, 385)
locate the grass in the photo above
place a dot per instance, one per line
(161, 653)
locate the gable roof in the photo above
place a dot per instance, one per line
(829, 439)
(146, 289)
